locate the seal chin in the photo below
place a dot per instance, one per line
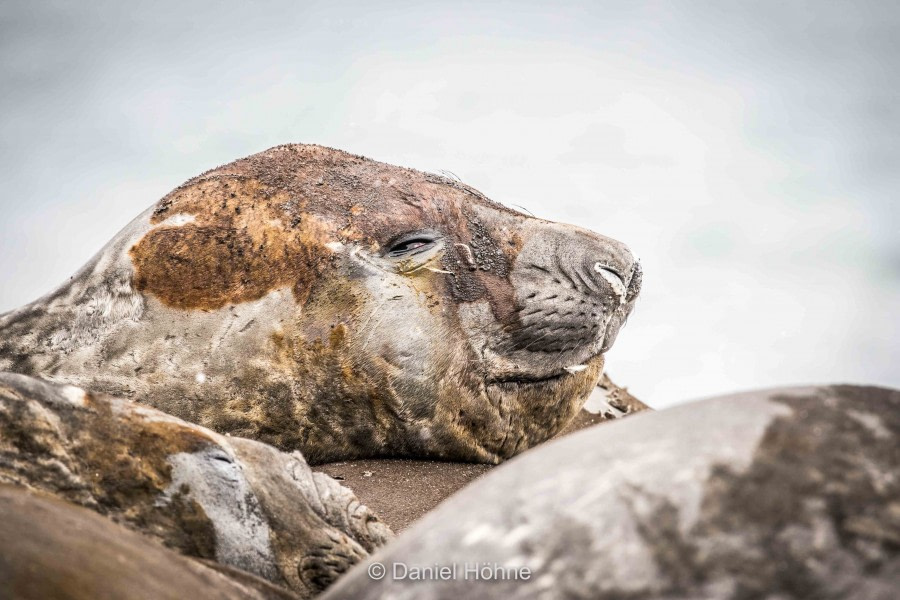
(535, 406)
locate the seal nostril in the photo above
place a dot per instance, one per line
(613, 277)
(599, 267)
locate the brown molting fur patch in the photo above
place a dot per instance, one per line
(114, 463)
(113, 440)
(260, 223)
(245, 241)
(126, 463)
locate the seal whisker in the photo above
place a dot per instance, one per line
(539, 338)
(561, 352)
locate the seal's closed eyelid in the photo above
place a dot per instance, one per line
(412, 243)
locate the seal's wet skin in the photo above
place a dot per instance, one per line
(321, 301)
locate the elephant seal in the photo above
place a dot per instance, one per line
(52, 549)
(320, 301)
(235, 501)
(786, 493)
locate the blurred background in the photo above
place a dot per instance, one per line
(747, 152)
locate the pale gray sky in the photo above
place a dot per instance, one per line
(747, 152)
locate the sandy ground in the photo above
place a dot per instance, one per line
(400, 491)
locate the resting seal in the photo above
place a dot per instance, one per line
(786, 493)
(235, 501)
(321, 301)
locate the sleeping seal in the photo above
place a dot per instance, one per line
(321, 301)
(235, 501)
(785, 493)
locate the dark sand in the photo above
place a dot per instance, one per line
(400, 491)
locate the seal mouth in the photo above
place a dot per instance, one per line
(564, 374)
(524, 378)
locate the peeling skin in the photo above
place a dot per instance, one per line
(238, 502)
(784, 493)
(261, 299)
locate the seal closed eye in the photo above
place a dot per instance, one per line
(321, 301)
(413, 243)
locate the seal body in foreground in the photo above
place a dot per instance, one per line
(235, 501)
(786, 493)
(53, 550)
(321, 301)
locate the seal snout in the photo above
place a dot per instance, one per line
(574, 290)
(608, 267)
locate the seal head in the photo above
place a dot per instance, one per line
(321, 301)
(234, 501)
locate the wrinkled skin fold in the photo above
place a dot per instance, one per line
(320, 301)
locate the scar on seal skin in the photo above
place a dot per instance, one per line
(237, 502)
(324, 302)
(790, 493)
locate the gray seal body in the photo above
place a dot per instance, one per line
(785, 493)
